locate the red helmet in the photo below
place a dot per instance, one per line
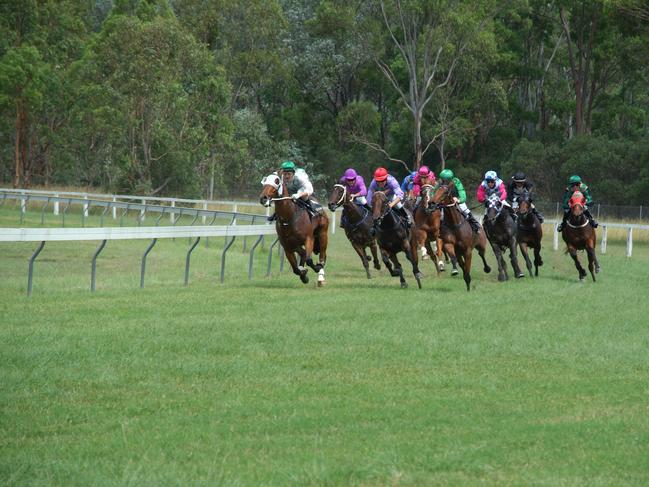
(381, 174)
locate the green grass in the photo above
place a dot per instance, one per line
(270, 382)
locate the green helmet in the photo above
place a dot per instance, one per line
(574, 180)
(446, 174)
(288, 166)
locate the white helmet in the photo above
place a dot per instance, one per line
(490, 176)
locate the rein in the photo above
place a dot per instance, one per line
(342, 198)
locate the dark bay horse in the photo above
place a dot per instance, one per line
(529, 233)
(500, 228)
(297, 232)
(457, 236)
(393, 237)
(426, 229)
(580, 235)
(359, 222)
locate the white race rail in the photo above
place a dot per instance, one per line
(603, 234)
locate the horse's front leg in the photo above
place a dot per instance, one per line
(573, 253)
(591, 261)
(538, 261)
(513, 257)
(500, 261)
(524, 253)
(440, 254)
(297, 270)
(360, 250)
(398, 270)
(449, 248)
(482, 247)
(375, 255)
(385, 256)
(411, 254)
(465, 263)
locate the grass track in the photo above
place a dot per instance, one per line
(269, 382)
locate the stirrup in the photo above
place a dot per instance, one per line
(272, 217)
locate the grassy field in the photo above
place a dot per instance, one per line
(270, 382)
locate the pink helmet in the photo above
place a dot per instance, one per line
(350, 174)
(424, 171)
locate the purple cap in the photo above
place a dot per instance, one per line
(350, 174)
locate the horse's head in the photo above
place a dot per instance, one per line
(444, 194)
(339, 196)
(524, 204)
(493, 206)
(379, 205)
(272, 187)
(577, 203)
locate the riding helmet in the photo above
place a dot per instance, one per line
(350, 174)
(574, 180)
(490, 176)
(424, 171)
(446, 174)
(519, 177)
(288, 166)
(381, 174)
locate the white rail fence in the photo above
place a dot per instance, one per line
(230, 232)
(25, 195)
(603, 234)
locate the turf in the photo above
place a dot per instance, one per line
(271, 382)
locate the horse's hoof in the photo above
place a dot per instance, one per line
(369, 259)
(520, 275)
(377, 267)
(597, 269)
(441, 266)
(582, 280)
(455, 272)
(321, 283)
(502, 278)
(304, 278)
(487, 269)
(404, 285)
(425, 257)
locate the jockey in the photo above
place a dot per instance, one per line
(408, 182)
(492, 184)
(575, 184)
(385, 182)
(424, 176)
(519, 186)
(459, 197)
(299, 188)
(355, 185)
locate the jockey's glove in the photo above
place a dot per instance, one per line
(295, 196)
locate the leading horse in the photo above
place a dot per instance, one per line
(457, 236)
(427, 228)
(393, 237)
(529, 233)
(500, 228)
(580, 235)
(298, 233)
(358, 225)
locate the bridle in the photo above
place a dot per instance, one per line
(343, 196)
(277, 185)
(385, 203)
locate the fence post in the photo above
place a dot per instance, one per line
(204, 216)
(598, 205)
(93, 269)
(142, 211)
(189, 253)
(629, 242)
(333, 222)
(234, 210)
(143, 267)
(114, 209)
(640, 217)
(23, 206)
(604, 238)
(172, 216)
(555, 239)
(30, 272)
(225, 249)
(85, 206)
(557, 210)
(56, 204)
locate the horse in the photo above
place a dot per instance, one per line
(296, 230)
(393, 237)
(529, 233)
(426, 229)
(457, 236)
(358, 227)
(500, 228)
(580, 235)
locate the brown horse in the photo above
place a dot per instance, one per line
(393, 237)
(457, 236)
(297, 232)
(427, 228)
(529, 233)
(580, 235)
(359, 222)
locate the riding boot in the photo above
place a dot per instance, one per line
(592, 221)
(475, 224)
(405, 214)
(538, 215)
(272, 217)
(563, 221)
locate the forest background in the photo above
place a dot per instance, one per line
(201, 98)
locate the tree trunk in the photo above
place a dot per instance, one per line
(417, 137)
